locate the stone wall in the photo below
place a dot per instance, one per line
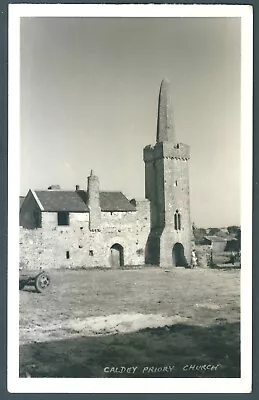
(72, 246)
(177, 198)
(203, 254)
(167, 187)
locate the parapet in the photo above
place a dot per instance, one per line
(178, 151)
(148, 153)
(166, 150)
(142, 205)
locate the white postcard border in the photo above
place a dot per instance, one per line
(128, 385)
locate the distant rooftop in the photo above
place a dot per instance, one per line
(214, 238)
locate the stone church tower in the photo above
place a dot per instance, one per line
(167, 188)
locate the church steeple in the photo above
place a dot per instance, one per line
(167, 189)
(165, 122)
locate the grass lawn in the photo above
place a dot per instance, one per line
(97, 323)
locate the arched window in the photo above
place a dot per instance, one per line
(177, 221)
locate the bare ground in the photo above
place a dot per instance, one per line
(150, 317)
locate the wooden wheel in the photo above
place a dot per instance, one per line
(42, 281)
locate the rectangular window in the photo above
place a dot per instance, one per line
(63, 218)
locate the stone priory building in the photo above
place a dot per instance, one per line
(93, 228)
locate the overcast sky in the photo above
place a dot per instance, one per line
(89, 91)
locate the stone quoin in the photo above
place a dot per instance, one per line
(91, 228)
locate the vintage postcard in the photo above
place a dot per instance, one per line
(130, 182)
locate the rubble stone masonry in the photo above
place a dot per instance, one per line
(53, 246)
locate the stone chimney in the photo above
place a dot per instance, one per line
(54, 187)
(94, 202)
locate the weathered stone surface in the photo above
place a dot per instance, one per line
(48, 246)
(146, 232)
(167, 188)
(165, 123)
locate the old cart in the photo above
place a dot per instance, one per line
(40, 280)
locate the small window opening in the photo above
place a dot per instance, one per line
(177, 146)
(91, 253)
(176, 183)
(81, 227)
(80, 246)
(63, 218)
(177, 221)
(67, 255)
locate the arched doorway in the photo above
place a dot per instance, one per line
(116, 256)
(179, 259)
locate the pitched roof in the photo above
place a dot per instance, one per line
(76, 201)
(115, 201)
(21, 198)
(61, 200)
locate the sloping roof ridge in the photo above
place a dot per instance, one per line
(57, 190)
(111, 191)
(37, 199)
(74, 190)
(219, 238)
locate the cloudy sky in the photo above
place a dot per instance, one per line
(89, 91)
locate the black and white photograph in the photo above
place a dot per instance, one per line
(131, 133)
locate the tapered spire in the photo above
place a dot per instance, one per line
(165, 122)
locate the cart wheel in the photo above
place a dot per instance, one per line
(42, 281)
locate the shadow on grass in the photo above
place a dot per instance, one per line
(176, 346)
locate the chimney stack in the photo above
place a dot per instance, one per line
(94, 202)
(54, 187)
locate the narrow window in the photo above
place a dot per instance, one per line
(67, 255)
(91, 253)
(176, 183)
(177, 221)
(63, 218)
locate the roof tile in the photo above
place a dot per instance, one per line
(77, 201)
(60, 200)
